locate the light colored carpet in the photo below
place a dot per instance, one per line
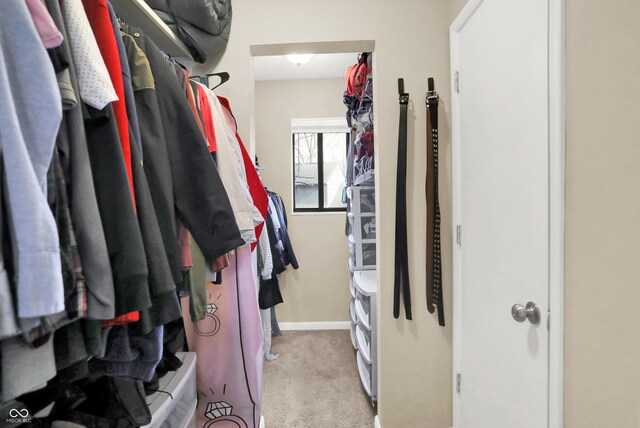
(314, 383)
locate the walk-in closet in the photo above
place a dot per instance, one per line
(319, 214)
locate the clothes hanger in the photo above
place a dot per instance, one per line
(121, 23)
(223, 75)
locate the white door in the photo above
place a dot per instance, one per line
(500, 51)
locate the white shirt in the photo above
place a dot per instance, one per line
(96, 88)
(232, 171)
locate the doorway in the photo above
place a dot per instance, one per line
(297, 111)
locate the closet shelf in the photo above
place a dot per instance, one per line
(139, 14)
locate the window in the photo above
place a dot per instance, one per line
(319, 166)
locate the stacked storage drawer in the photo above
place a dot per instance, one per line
(175, 405)
(365, 330)
(362, 286)
(362, 222)
(352, 313)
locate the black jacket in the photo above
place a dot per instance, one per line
(121, 230)
(162, 288)
(200, 199)
(289, 255)
(157, 167)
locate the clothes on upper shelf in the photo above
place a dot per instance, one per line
(358, 98)
(202, 25)
(124, 185)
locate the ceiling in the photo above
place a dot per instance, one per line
(320, 66)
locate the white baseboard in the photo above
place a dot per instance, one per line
(322, 325)
(377, 424)
(262, 424)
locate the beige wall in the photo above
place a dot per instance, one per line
(318, 291)
(602, 334)
(602, 339)
(414, 356)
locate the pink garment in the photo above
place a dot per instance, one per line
(228, 344)
(49, 34)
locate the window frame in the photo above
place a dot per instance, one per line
(320, 166)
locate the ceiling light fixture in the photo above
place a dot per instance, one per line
(299, 59)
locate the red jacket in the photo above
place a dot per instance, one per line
(100, 20)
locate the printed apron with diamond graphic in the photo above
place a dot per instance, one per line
(228, 344)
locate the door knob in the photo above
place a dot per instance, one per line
(521, 313)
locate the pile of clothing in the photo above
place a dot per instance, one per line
(358, 97)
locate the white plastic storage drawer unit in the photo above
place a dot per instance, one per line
(177, 410)
(363, 253)
(363, 200)
(366, 335)
(365, 284)
(368, 376)
(362, 227)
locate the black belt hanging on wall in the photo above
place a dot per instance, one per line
(401, 277)
(434, 262)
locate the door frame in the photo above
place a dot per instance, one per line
(556, 97)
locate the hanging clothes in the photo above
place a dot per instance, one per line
(157, 167)
(279, 211)
(226, 325)
(164, 302)
(201, 200)
(29, 133)
(256, 188)
(281, 250)
(100, 199)
(100, 20)
(232, 171)
(85, 217)
(27, 84)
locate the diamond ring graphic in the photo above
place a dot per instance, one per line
(210, 325)
(219, 413)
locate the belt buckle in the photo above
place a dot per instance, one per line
(432, 95)
(404, 98)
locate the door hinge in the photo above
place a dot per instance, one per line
(459, 235)
(458, 381)
(456, 81)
